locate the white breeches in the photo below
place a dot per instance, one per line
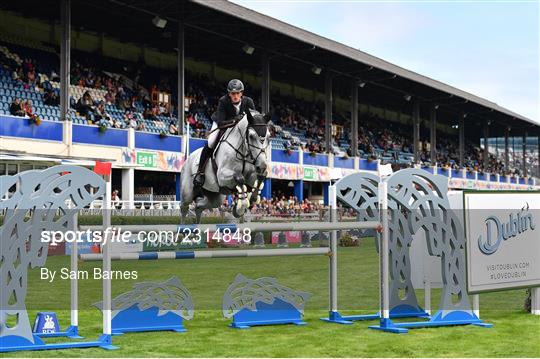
(212, 138)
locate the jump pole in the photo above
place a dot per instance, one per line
(385, 322)
(333, 226)
(333, 314)
(535, 301)
(74, 285)
(106, 265)
(253, 226)
(72, 331)
(105, 339)
(226, 253)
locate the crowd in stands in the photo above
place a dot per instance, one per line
(285, 206)
(125, 101)
(281, 206)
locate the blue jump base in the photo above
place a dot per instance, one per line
(457, 317)
(133, 319)
(279, 312)
(46, 326)
(15, 343)
(71, 332)
(402, 311)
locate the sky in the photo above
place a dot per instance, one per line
(488, 48)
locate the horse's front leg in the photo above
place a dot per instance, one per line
(243, 194)
(255, 194)
(229, 178)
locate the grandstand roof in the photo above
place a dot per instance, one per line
(216, 31)
(343, 50)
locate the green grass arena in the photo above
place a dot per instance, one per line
(515, 332)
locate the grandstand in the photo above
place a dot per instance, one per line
(333, 107)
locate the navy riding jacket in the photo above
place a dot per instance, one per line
(226, 112)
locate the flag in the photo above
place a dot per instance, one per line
(103, 168)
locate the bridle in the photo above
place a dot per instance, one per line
(245, 152)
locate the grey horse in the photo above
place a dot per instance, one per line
(237, 166)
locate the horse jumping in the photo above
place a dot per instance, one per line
(238, 166)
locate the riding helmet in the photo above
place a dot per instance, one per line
(235, 85)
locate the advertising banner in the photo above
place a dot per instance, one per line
(291, 236)
(503, 240)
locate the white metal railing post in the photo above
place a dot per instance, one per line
(332, 205)
(427, 295)
(383, 213)
(74, 285)
(105, 249)
(535, 301)
(476, 304)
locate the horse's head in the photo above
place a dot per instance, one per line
(257, 137)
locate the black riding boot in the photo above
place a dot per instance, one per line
(198, 181)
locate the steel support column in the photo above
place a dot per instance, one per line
(537, 156)
(506, 153)
(461, 141)
(180, 78)
(416, 131)
(354, 118)
(265, 83)
(65, 50)
(486, 145)
(524, 147)
(328, 101)
(433, 134)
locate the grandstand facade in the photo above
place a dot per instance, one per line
(137, 88)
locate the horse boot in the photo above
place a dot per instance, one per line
(198, 181)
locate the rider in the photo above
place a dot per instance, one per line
(229, 108)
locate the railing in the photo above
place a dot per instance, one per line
(140, 208)
(12, 126)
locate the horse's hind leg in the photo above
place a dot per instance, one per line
(184, 210)
(201, 203)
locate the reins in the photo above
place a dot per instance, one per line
(240, 152)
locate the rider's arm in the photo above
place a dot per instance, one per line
(250, 104)
(221, 113)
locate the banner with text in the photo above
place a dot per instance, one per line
(503, 240)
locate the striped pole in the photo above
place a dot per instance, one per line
(106, 257)
(253, 226)
(384, 256)
(227, 253)
(332, 207)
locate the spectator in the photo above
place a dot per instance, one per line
(54, 76)
(16, 109)
(28, 108)
(17, 74)
(149, 114)
(51, 98)
(130, 120)
(85, 105)
(115, 199)
(173, 129)
(141, 126)
(110, 97)
(30, 79)
(101, 114)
